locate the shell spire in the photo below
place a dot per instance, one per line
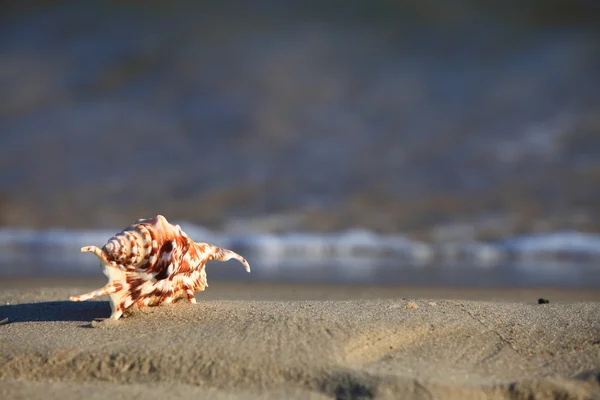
(153, 262)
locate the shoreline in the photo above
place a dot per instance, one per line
(245, 290)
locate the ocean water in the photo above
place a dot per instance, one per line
(371, 272)
(558, 260)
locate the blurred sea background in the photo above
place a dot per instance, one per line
(423, 142)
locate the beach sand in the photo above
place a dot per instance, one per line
(248, 340)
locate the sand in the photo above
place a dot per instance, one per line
(246, 340)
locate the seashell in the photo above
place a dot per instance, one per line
(153, 262)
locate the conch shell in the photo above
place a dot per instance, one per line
(153, 262)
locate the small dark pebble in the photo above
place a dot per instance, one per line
(4, 321)
(541, 300)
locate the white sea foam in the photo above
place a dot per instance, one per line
(357, 250)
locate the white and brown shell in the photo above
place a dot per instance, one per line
(153, 262)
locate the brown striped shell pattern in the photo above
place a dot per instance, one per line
(153, 262)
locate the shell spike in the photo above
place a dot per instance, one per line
(108, 289)
(221, 254)
(97, 252)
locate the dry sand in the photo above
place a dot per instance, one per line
(298, 341)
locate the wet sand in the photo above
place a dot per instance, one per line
(297, 341)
